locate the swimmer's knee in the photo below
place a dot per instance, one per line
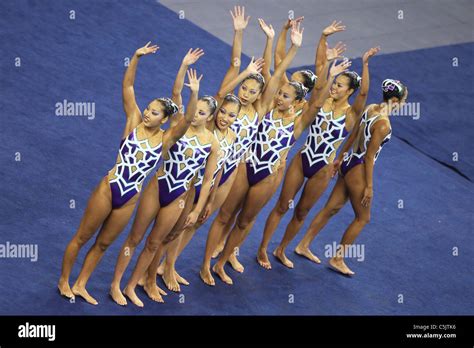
(244, 223)
(283, 207)
(301, 214)
(103, 245)
(363, 219)
(152, 245)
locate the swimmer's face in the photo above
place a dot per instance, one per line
(226, 115)
(203, 113)
(298, 77)
(285, 97)
(249, 91)
(340, 88)
(154, 114)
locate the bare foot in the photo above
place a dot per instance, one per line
(153, 292)
(130, 293)
(218, 250)
(161, 269)
(65, 289)
(219, 270)
(262, 259)
(170, 281)
(180, 279)
(305, 252)
(117, 295)
(82, 292)
(207, 277)
(236, 265)
(340, 266)
(280, 255)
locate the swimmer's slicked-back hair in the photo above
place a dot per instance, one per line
(169, 106)
(211, 101)
(300, 89)
(393, 88)
(257, 77)
(309, 78)
(230, 98)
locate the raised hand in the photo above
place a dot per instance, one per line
(238, 16)
(340, 68)
(296, 34)
(194, 81)
(192, 56)
(255, 66)
(147, 49)
(267, 29)
(370, 53)
(335, 27)
(336, 51)
(289, 23)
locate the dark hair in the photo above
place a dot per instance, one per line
(257, 77)
(393, 88)
(300, 89)
(309, 79)
(354, 80)
(230, 98)
(211, 101)
(169, 106)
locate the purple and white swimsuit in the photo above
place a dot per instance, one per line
(324, 135)
(357, 157)
(273, 138)
(226, 147)
(186, 157)
(246, 130)
(136, 159)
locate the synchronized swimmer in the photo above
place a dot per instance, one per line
(227, 153)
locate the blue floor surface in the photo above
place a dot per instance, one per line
(408, 251)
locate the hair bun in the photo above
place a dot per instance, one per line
(169, 105)
(391, 85)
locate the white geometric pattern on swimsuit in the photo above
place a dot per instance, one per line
(272, 139)
(368, 122)
(186, 157)
(226, 148)
(137, 159)
(245, 129)
(324, 134)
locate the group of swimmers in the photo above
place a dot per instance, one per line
(228, 153)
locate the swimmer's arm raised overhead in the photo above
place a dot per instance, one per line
(211, 165)
(267, 53)
(272, 85)
(359, 104)
(174, 133)
(132, 111)
(190, 58)
(380, 130)
(321, 56)
(240, 23)
(319, 94)
(254, 67)
(280, 49)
